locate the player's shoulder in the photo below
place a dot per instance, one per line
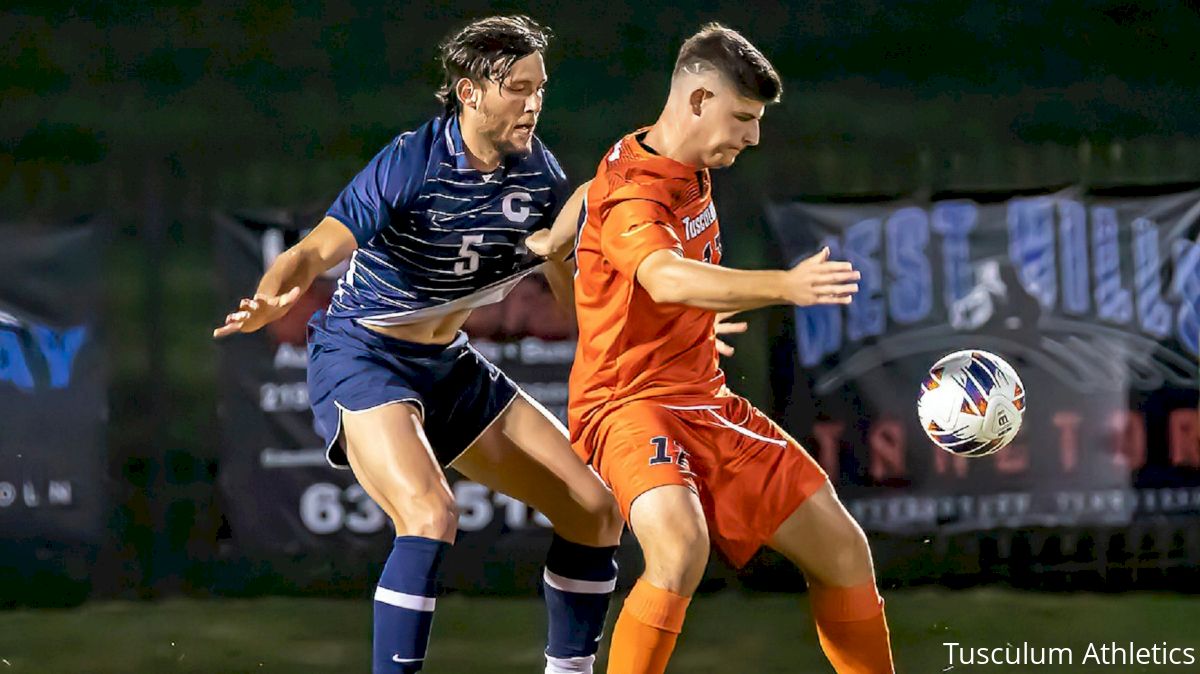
(629, 171)
(412, 149)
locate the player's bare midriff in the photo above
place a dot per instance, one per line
(438, 330)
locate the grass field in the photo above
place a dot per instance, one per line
(728, 632)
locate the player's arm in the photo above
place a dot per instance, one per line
(638, 239)
(289, 276)
(670, 278)
(560, 274)
(556, 243)
(386, 184)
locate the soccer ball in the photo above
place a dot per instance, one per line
(971, 404)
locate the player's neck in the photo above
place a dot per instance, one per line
(670, 141)
(482, 155)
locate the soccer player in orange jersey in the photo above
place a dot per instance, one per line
(692, 464)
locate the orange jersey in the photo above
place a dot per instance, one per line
(631, 347)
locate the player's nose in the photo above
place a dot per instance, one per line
(533, 102)
(752, 135)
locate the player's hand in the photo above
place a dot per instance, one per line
(819, 280)
(724, 327)
(538, 243)
(253, 313)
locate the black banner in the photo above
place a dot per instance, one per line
(1093, 298)
(53, 405)
(282, 499)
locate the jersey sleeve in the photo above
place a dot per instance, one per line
(387, 184)
(634, 226)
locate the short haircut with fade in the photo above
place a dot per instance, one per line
(486, 50)
(716, 47)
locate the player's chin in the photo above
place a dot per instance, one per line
(723, 159)
(520, 140)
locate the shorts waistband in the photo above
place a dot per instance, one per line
(378, 340)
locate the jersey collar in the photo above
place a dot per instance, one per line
(454, 143)
(458, 152)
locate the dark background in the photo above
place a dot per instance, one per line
(159, 115)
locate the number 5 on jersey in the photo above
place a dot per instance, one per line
(470, 261)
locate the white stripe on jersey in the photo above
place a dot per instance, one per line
(431, 195)
(387, 232)
(469, 211)
(385, 263)
(429, 269)
(436, 179)
(454, 289)
(394, 301)
(455, 168)
(431, 257)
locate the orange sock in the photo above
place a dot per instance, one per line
(646, 630)
(852, 628)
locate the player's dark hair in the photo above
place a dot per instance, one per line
(723, 49)
(486, 50)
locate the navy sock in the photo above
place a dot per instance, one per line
(579, 581)
(404, 602)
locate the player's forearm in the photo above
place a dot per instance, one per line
(328, 244)
(292, 269)
(712, 287)
(560, 276)
(566, 225)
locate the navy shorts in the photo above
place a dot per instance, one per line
(352, 369)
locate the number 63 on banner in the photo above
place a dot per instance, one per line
(327, 508)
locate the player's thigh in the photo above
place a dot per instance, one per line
(756, 477)
(826, 543)
(392, 459)
(671, 529)
(526, 455)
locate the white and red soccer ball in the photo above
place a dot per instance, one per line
(971, 404)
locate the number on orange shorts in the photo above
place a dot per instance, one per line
(662, 444)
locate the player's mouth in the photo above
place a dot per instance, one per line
(524, 131)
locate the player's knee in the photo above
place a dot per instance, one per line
(677, 562)
(605, 516)
(428, 516)
(592, 517)
(851, 559)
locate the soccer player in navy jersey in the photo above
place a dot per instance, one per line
(435, 225)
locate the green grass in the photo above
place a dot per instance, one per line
(729, 632)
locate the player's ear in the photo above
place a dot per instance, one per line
(696, 100)
(467, 92)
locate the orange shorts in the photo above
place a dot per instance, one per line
(749, 474)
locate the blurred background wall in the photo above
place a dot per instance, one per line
(158, 115)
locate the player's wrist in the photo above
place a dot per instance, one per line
(776, 288)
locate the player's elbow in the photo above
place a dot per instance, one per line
(662, 289)
(664, 278)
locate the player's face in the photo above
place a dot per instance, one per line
(509, 110)
(728, 124)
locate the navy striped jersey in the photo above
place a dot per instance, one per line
(436, 236)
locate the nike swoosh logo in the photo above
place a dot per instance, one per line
(637, 229)
(400, 660)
